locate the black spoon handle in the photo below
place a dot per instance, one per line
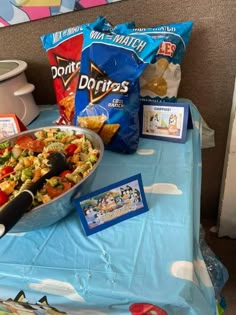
(39, 183)
(16, 208)
(11, 213)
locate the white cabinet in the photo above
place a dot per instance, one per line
(227, 204)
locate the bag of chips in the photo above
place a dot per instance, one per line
(64, 53)
(107, 99)
(160, 81)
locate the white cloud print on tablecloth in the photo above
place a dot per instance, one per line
(192, 271)
(16, 234)
(56, 287)
(145, 151)
(163, 188)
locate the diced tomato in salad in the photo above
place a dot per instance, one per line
(64, 173)
(2, 151)
(6, 170)
(71, 149)
(3, 198)
(61, 186)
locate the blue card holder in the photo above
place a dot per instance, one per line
(112, 204)
(165, 121)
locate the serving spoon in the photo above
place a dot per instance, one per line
(12, 212)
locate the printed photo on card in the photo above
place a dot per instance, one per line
(10, 124)
(7, 127)
(165, 121)
(112, 204)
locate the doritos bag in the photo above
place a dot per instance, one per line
(64, 53)
(160, 81)
(107, 99)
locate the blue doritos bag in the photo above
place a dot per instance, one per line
(107, 98)
(160, 81)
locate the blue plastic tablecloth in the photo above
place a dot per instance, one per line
(153, 259)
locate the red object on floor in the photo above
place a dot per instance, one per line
(146, 309)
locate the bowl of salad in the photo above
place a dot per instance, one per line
(24, 158)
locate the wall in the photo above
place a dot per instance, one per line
(208, 69)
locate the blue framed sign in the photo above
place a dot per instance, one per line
(165, 121)
(112, 204)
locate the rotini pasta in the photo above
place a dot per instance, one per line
(27, 159)
(56, 147)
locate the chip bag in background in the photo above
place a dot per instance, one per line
(129, 25)
(64, 53)
(107, 99)
(160, 81)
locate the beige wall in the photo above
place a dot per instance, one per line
(208, 70)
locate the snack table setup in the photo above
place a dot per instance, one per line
(148, 264)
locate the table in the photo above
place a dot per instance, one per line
(150, 264)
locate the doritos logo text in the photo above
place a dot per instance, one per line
(100, 85)
(65, 69)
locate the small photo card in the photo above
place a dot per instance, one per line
(165, 121)
(10, 124)
(112, 204)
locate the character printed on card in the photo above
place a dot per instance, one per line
(154, 122)
(173, 125)
(117, 201)
(20, 306)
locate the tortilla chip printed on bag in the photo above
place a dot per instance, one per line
(160, 81)
(64, 53)
(108, 87)
(94, 123)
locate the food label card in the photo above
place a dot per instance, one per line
(165, 121)
(10, 124)
(111, 204)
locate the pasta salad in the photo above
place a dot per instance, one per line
(26, 160)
